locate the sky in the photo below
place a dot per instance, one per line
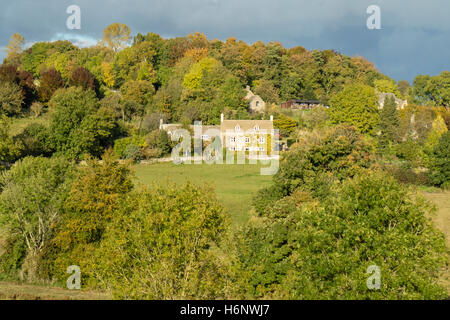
(414, 37)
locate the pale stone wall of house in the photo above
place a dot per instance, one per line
(255, 103)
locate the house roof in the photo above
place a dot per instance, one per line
(246, 125)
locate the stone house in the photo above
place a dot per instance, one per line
(382, 96)
(246, 135)
(255, 103)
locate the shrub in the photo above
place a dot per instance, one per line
(121, 145)
(159, 139)
(35, 141)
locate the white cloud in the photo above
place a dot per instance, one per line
(79, 40)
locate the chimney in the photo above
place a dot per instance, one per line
(271, 118)
(221, 117)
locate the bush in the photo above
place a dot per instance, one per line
(121, 145)
(35, 141)
(412, 152)
(159, 139)
(133, 152)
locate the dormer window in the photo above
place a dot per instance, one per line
(256, 128)
(237, 128)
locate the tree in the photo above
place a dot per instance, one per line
(32, 193)
(404, 87)
(318, 159)
(15, 44)
(78, 126)
(11, 98)
(440, 162)
(267, 91)
(81, 77)
(93, 198)
(387, 86)
(164, 234)
(50, 81)
(136, 95)
(116, 36)
(438, 128)
(432, 90)
(320, 247)
(389, 122)
(285, 124)
(357, 105)
(159, 139)
(9, 148)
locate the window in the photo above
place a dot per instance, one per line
(233, 139)
(261, 140)
(205, 137)
(256, 128)
(237, 128)
(247, 149)
(261, 148)
(257, 103)
(247, 139)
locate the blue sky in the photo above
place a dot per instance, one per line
(414, 39)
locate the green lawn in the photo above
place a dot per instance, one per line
(234, 184)
(19, 124)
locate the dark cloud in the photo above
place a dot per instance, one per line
(414, 37)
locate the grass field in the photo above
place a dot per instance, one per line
(235, 185)
(442, 221)
(19, 124)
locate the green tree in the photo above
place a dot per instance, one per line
(93, 199)
(321, 247)
(440, 162)
(356, 105)
(9, 148)
(389, 123)
(32, 193)
(158, 245)
(387, 86)
(11, 98)
(318, 159)
(78, 126)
